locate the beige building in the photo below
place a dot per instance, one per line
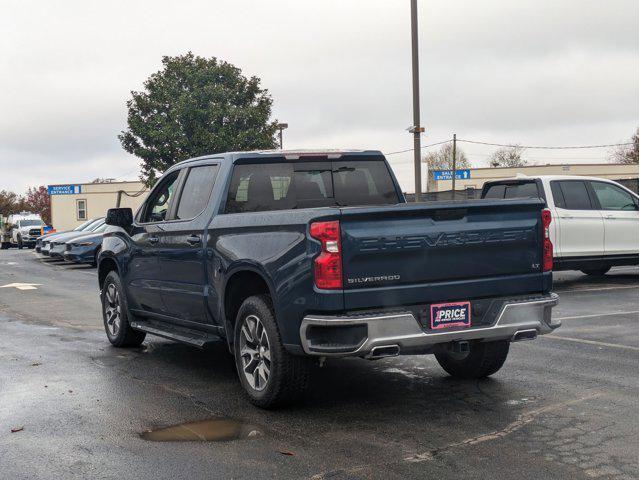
(627, 174)
(73, 204)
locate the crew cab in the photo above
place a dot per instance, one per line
(21, 230)
(289, 256)
(595, 221)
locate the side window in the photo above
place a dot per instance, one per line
(157, 206)
(197, 191)
(611, 197)
(81, 209)
(557, 195)
(575, 195)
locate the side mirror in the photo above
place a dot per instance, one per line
(119, 217)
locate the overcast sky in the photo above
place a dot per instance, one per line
(549, 72)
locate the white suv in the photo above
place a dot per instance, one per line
(595, 222)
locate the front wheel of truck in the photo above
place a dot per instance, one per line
(116, 316)
(270, 375)
(481, 360)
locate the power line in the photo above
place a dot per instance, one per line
(545, 147)
(538, 147)
(423, 146)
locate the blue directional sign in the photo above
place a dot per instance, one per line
(448, 175)
(64, 189)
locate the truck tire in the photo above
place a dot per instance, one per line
(5, 245)
(482, 360)
(596, 272)
(115, 314)
(270, 376)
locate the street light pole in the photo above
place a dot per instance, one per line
(416, 129)
(281, 127)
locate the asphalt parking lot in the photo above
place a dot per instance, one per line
(564, 406)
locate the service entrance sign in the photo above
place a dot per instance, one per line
(64, 189)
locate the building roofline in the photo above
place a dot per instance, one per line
(91, 183)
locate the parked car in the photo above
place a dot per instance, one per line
(85, 248)
(290, 256)
(20, 230)
(595, 221)
(46, 236)
(55, 246)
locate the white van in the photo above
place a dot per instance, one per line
(595, 222)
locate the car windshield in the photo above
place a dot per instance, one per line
(96, 225)
(85, 225)
(30, 223)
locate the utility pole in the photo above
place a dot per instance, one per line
(454, 161)
(281, 127)
(416, 128)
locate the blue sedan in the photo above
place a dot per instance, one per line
(86, 248)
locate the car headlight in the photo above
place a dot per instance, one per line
(84, 244)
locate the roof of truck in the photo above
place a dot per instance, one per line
(549, 177)
(288, 154)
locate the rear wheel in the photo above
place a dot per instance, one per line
(4, 245)
(596, 272)
(116, 316)
(482, 360)
(270, 375)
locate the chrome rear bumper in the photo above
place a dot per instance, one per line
(402, 329)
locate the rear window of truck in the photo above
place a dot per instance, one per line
(527, 189)
(281, 186)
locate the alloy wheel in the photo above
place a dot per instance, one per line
(112, 309)
(255, 352)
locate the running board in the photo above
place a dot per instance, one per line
(189, 336)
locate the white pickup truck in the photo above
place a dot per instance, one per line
(595, 222)
(20, 230)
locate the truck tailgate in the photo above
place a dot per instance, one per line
(440, 251)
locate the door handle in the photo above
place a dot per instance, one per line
(154, 240)
(193, 240)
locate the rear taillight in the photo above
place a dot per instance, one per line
(328, 265)
(546, 218)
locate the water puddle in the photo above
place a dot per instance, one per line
(213, 430)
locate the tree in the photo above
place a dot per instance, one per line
(11, 202)
(628, 154)
(508, 157)
(39, 201)
(196, 106)
(442, 159)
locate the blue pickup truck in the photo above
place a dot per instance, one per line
(291, 256)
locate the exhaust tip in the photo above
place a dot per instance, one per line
(383, 351)
(522, 335)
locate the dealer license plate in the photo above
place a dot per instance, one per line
(447, 315)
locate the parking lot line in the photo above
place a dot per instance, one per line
(632, 312)
(592, 342)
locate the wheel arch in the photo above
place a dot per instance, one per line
(105, 266)
(243, 282)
